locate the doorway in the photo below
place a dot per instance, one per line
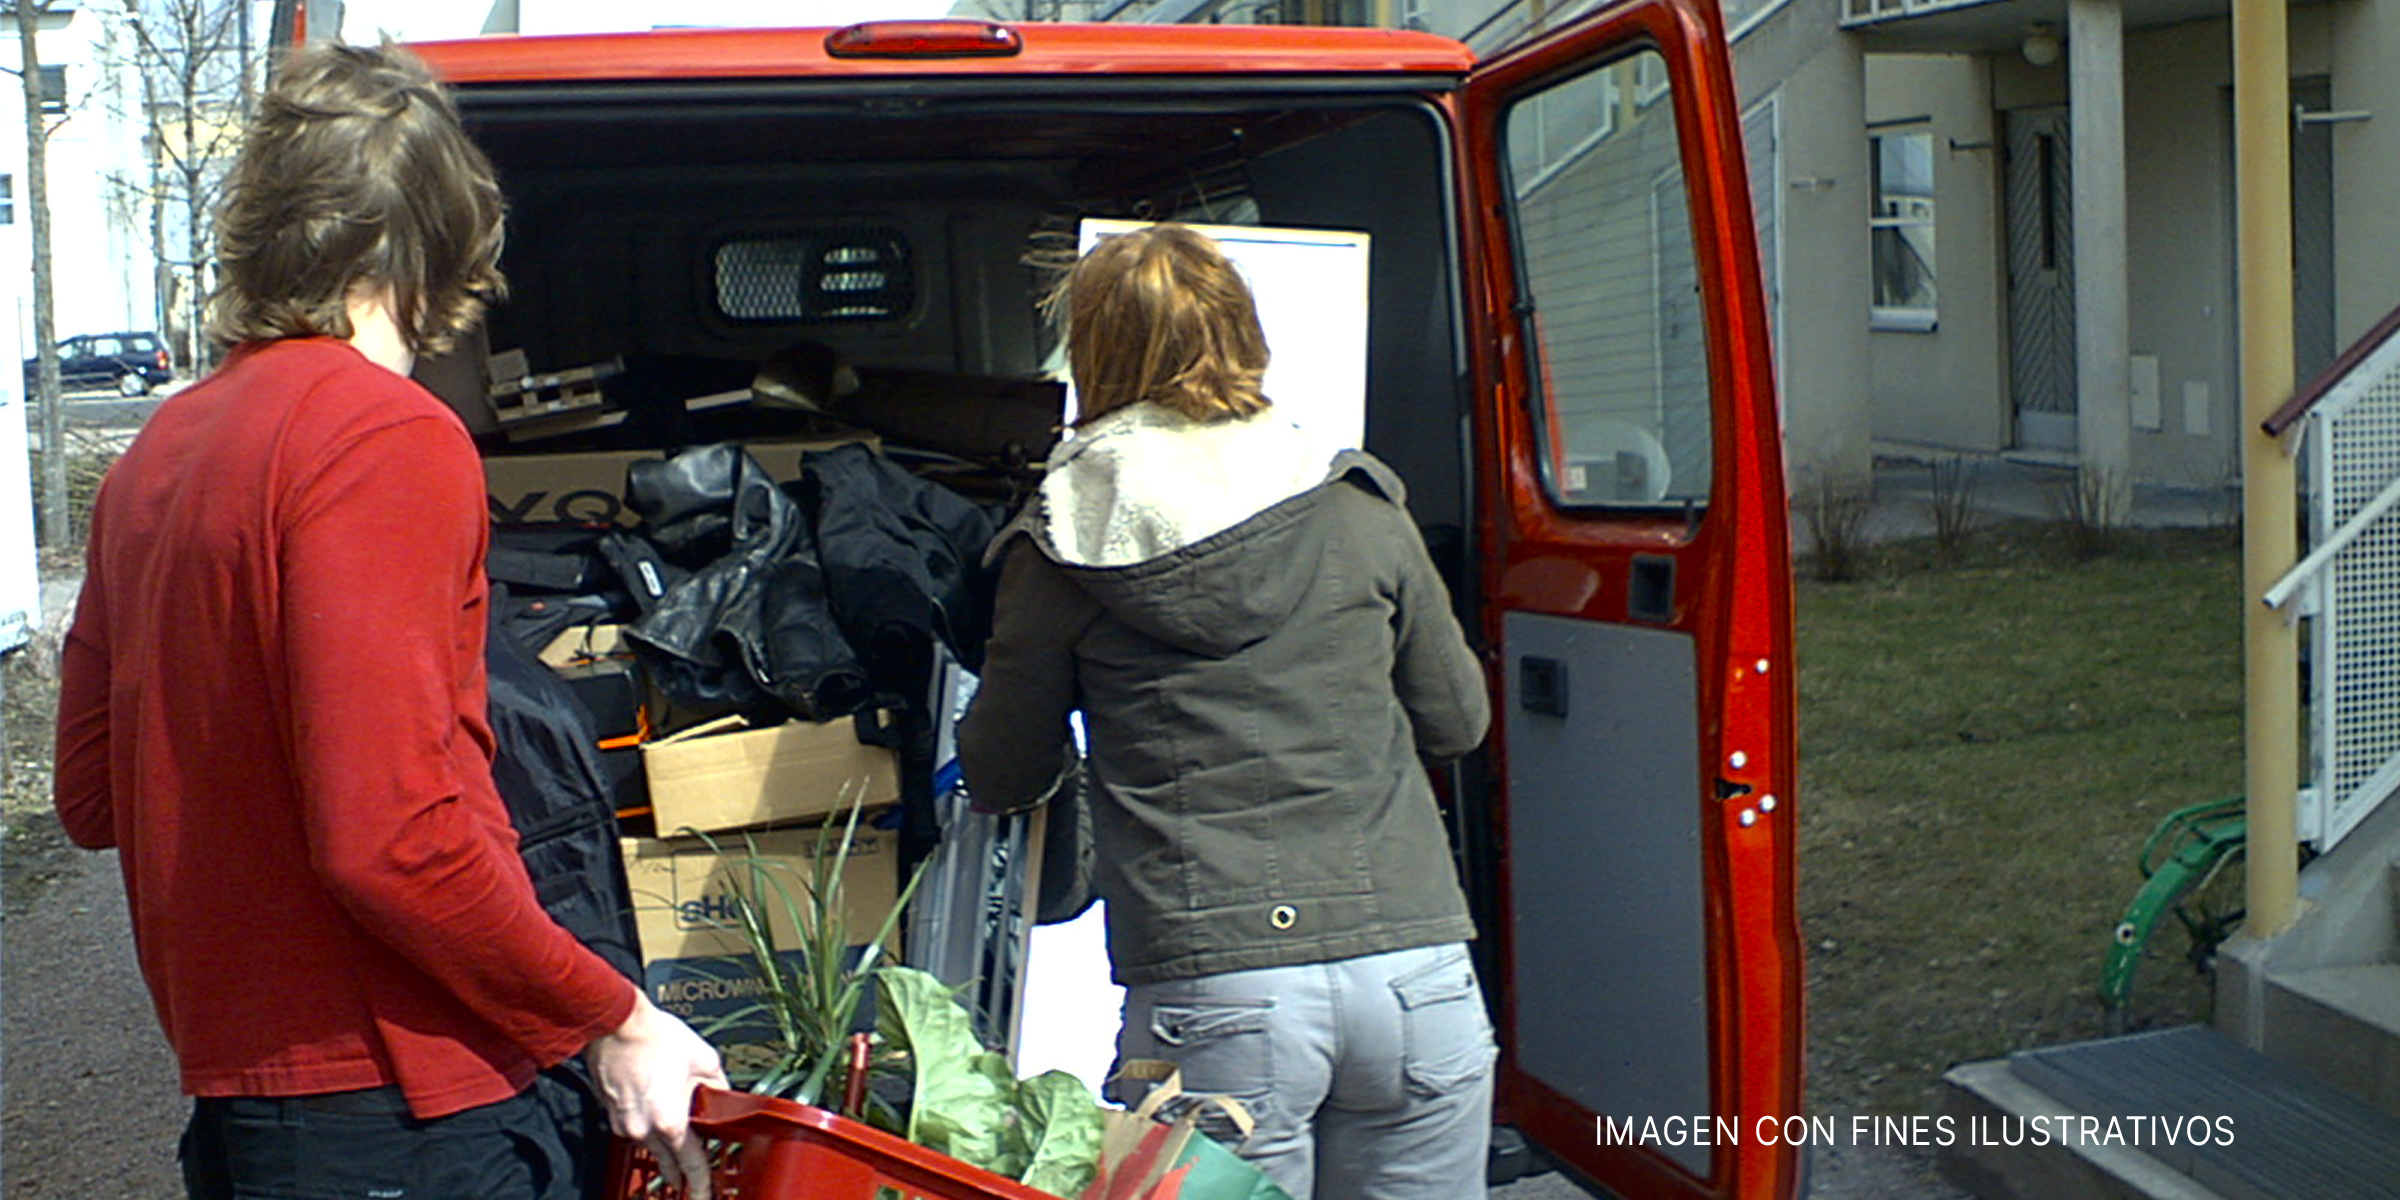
(2041, 279)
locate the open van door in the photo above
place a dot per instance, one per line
(1638, 587)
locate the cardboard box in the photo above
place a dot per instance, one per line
(585, 486)
(589, 485)
(720, 776)
(683, 888)
(699, 968)
(586, 645)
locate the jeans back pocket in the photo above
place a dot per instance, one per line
(1446, 1040)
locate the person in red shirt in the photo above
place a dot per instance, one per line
(272, 705)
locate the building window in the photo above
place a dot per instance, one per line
(1558, 127)
(1649, 79)
(54, 89)
(8, 199)
(1902, 227)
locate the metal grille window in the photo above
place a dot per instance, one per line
(840, 275)
(1902, 225)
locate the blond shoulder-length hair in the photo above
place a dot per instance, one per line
(1158, 314)
(356, 174)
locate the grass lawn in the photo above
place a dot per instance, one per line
(1984, 746)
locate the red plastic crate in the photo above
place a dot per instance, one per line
(777, 1150)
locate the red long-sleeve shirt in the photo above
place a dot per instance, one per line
(272, 704)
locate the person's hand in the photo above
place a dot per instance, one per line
(646, 1070)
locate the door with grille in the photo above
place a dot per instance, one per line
(2041, 279)
(2313, 344)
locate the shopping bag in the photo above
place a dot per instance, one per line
(1147, 1155)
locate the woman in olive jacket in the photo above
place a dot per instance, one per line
(1263, 654)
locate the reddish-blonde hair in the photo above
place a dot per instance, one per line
(356, 174)
(1158, 314)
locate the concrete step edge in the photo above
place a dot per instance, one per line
(2367, 993)
(2137, 1173)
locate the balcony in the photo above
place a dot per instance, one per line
(1997, 25)
(1868, 12)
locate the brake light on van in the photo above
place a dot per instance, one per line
(923, 39)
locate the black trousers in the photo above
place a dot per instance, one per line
(549, 1142)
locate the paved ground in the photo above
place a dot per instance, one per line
(89, 1108)
(2005, 488)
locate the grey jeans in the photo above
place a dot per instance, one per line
(1370, 1078)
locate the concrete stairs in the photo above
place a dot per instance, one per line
(2341, 1025)
(2176, 1114)
(2303, 1063)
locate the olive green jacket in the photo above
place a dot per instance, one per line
(1256, 705)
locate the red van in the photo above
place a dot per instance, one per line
(1566, 357)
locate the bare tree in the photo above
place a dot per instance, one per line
(38, 128)
(193, 60)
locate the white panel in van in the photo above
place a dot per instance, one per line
(1311, 288)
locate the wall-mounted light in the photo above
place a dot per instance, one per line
(2041, 45)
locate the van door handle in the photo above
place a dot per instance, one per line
(1542, 685)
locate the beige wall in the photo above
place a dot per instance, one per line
(1800, 57)
(2179, 198)
(2364, 56)
(1946, 387)
(1949, 388)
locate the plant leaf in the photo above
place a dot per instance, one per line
(1065, 1127)
(964, 1094)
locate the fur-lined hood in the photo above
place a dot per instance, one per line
(1196, 534)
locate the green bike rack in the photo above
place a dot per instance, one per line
(2182, 855)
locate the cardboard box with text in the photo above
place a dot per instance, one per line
(721, 776)
(697, 964)
(589, 485)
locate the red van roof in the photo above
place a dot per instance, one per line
(1046, 49)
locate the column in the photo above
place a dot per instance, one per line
(2103, 374)
(2270, 546)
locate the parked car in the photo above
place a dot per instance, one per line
(133, 363)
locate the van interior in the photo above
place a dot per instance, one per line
(898, 239)
(698, 231)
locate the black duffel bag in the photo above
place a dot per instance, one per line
(546, 765)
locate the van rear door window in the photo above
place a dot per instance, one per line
(1612, 290)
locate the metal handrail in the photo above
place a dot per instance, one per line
(2331, 377)
(2334, 543)
(2377, 350)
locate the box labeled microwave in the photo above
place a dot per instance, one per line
(697, 963)
(724, 775)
